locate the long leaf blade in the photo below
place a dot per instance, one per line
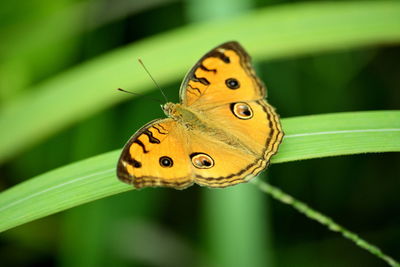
(94, 178)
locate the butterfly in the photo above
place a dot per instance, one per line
(223, 131)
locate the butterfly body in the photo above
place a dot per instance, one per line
(195, 122)
(222, 133)
(183, 115)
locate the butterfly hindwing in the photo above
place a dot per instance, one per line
(240, 145)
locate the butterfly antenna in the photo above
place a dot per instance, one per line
(144, 67)
(132, 93)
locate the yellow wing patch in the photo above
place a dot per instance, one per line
(224, 75)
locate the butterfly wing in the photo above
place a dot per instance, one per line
(220, 165)
(228, 152)
(223, 75)
(235, 133)
(224, 88)
(156, 155)
(246, 147)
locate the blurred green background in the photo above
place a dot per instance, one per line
(237, 226)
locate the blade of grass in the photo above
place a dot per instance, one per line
(322, 219)
(98, 215)
(50, 42)
(227, 229)
(94, 178)
(68, 22)
(268, 33)
(336, 134)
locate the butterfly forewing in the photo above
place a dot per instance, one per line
(156, 156)
(223, 75)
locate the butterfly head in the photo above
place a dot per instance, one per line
(180, 113)
(171, 110)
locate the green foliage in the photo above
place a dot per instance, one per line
(313, 27)
(324, 220)
(59, 70)
(94, 178)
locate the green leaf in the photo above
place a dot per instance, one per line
(306, 137)
(339, 134)
(324, 220)
(268, 33)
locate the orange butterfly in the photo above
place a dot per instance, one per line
(223, 132)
